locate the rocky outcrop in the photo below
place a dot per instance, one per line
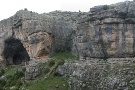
(29, 27)
(103, 38)
(97, 74)
(64, 28)
(107, 32)
(41, 34)
(34, 69)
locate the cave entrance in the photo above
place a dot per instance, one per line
(14, 52)
(17, 59)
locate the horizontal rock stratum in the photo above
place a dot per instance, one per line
(106, 31)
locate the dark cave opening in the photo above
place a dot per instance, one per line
(14, 52)
(17, 59)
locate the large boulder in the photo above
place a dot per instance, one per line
(34, 69)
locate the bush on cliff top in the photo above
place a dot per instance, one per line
(106, 7)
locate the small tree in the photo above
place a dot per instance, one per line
(25, 9)
(105, 7)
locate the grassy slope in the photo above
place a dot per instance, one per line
(50, 83)
(67, 56)
(63, 55)
(10, 70)
(53, 82)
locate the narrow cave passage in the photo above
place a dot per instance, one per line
(14, 52)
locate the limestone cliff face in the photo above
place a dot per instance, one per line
(41, 34)
(32, 29)
(107, 31)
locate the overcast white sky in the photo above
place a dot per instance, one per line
(9, 7)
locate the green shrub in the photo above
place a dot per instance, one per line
(63, 55)
(61, 62)
(10, 82)
(18, 83)
(56, 74)
(9, 76)
(18, 74)
(2, 72)
(2, 82)
(106, 7)
(14, 79)
(132, 84)
(1, 88)
(25, 9)
(51, 63)
(46, 70)
(24, 69)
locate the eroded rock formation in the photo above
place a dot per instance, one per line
(107, 32)
(97, 74)
(41, 34)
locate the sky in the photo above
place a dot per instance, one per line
(10, 7)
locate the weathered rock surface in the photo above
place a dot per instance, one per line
(41, 34)
(34, 69)
(100, 75)
(107, 32)
(104, 32)
(29, 28)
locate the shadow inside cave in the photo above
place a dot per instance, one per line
(14, 52)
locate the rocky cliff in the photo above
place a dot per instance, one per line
(31, 29)
(41, 34)
(103, 38)
(107, 31)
